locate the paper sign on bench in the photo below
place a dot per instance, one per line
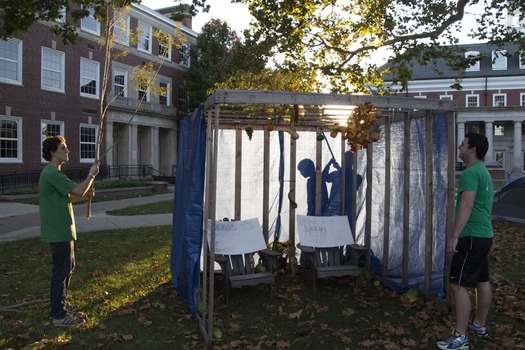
(237, 237)
(324, 231)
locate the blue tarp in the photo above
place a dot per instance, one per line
(188, 208)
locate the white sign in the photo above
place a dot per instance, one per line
(324, 231)
(237, 237)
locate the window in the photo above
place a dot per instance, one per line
(499, 100)
(52, 78)
(472, 100)
(183, 99)
(11, 61)
(184, 55)
(89, 23)
(10, 139)
(61, 15)
(499, 59)
(143, 93)
(522, 59)
(499, 156)
(88, 142)
(165, 46)
(89, 73)
(445, 97)
(474, 57)
(499, 130)
(51, 128)
(121, 31)
(522, 99)
(120, 82)
(420, 97)
(164, 94)
(523, 162)
(144, 37)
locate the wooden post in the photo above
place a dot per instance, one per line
(406, 196)
(266, 186)
(388, 165)
(238, 172)
(354, 193)
(429, 204)
(368, 220)
(451, 177)
(342, 193)
(293, 186)
(318, 178)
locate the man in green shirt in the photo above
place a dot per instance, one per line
(57, 222)
(470, 243)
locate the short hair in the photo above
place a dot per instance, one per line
(306, 165)
(480, 142)
(51, 144)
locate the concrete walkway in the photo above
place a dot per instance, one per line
(19, 221)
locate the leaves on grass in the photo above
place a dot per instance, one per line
(296, 314)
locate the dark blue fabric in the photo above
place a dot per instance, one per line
(63, 256)
(188, 208)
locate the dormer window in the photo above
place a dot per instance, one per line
(499, 59)
(473, 55)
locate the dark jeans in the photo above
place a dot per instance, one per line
(63, 255)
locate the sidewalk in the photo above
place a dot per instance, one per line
(19, 221)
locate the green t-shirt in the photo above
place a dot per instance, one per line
(476, 178)
(57, 222)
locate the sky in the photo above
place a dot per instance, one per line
(236, 15)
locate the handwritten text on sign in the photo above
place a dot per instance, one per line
(237, 237)
(324, 231)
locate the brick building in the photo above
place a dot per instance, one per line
(48, 88)
(491, 101)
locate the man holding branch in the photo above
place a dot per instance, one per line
(57, 222)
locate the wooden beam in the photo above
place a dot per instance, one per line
(238, 173)
(406, 198)
(388, 170)
(429, 205)
(266, 185)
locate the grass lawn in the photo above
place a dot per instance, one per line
(122, 287)
(162, 207)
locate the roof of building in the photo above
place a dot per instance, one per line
(443, 71)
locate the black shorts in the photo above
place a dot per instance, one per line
(470, 264)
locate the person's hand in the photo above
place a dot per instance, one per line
(94, 169)
(452, 242)
(90, 193)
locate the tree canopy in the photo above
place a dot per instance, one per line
(340, 39)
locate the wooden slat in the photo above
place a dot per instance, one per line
(238, 173)
(429, 202)
(318, 178)
(451, 177)
(406, 198)
(368, 219)
(266, 186)
(388, 170)
(301, 98)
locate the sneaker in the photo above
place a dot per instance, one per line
(68, 321)
(479, 330)
(455, 342)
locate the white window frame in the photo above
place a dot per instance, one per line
(168, 48)
(467, 100)
(499, 130)
(184, 55)
(446, 97)
(503, 157)
(143, 29)
(43, 127)
(54, 70)
(18, 62)
(83, 62)
(167, 94)
(183, 99)
(147, 91)
(120, 34)
(80, 143)
(475, 66)
(124, 86)
(499, 60)
(19, 143)
(495, 103)
(87, 23)
(522, 99)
